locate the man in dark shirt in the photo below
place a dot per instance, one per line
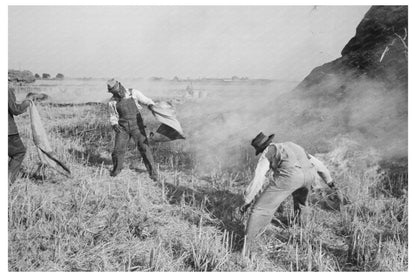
(17, 150)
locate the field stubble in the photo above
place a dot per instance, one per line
(189, 222)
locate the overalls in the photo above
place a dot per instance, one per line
(292, 174)
(131, 123)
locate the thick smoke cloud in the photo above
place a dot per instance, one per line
(220, 128)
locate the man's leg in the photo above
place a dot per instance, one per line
(300, 197)
(16, 153)
(120, 145)
(142, 143)
(263, 211)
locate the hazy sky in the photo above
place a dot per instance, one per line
(279, 42)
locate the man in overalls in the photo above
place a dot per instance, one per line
(294, 173)
(126, 120)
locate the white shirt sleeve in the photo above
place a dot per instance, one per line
(141, 98)
(113, 112)
(256, 184)
(322, 170)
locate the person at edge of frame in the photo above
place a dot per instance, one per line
(16, 148)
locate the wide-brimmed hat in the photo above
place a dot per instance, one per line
(260, 142)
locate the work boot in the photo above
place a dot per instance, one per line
(154, 176)
(114, 173)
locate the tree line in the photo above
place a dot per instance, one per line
(27, 76)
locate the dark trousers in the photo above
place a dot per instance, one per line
(130, 128)
(17, 153)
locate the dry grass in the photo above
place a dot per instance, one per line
(92, 222)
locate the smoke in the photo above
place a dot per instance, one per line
(220, 128)
(368, 111)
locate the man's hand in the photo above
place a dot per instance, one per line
(342, 197)
(243, 209)
(29, 97)
(116, 128)
(26, 103)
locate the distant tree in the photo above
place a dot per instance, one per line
(176, 79)
(24, 76)
(235, 78)
(59, 76)
(37, 76)
(46, 76)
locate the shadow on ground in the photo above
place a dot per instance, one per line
(90, 156)
(221, 204)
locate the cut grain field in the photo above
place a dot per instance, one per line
(189, 222)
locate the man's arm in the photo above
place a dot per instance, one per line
(256, 184)
(141, 98)
(322, 170)
(113, 112)
(15, 108)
